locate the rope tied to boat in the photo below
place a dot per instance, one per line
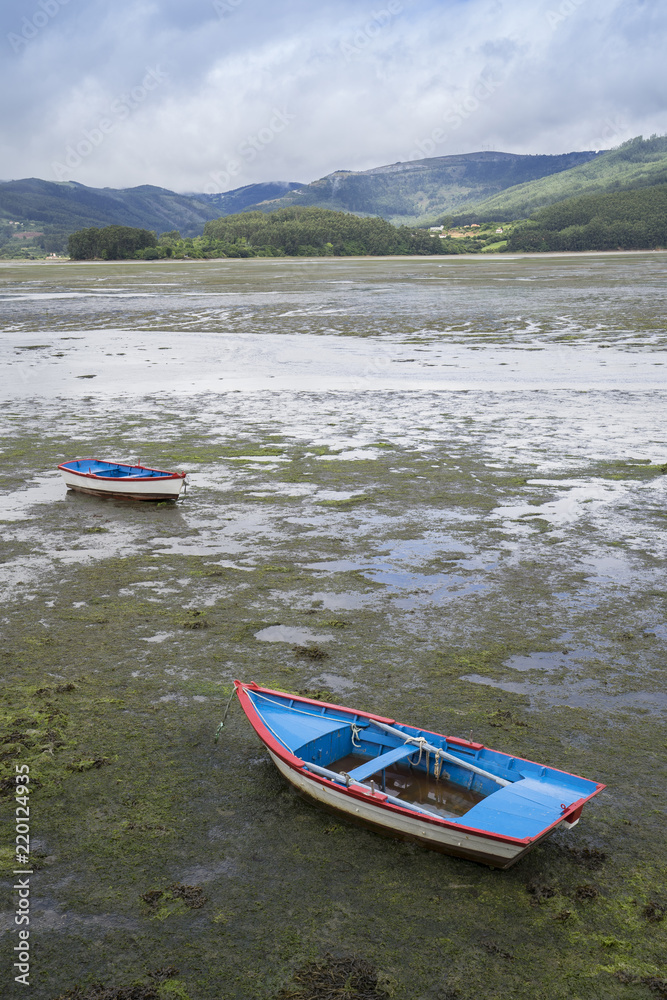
(438, 758)
(422, 743)
(356, 730)
(222, 724)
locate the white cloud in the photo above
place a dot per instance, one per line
(356, 86)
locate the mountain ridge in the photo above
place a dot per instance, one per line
(405, 191)
(68, 205)
(415, 192)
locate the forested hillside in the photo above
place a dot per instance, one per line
(37, 216)
(624, 220)
(316, 232)
(590, 210)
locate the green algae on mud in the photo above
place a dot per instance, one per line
(446, 604)
(135, 816)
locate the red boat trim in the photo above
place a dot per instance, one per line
(463, 743)
(312, 701)
(297, 765)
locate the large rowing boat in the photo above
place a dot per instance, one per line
(449, 794)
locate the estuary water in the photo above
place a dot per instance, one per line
(336, 325)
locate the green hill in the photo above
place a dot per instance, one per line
(415, 192)
(619, 220)
(288, 232)
(637, 163)
(312, 232)
(624, 220)
(37, 216)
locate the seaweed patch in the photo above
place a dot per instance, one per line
(333, 978)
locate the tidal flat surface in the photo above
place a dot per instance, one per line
(431, 489)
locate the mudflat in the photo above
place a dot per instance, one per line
(431, 489)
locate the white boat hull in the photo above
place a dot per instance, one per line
(128, 489)
(497, 853)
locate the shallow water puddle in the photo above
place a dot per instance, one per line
(548, 661)
(393, 569)
(290, 633)
(571, 506)
(46, 490)
(326, 599)
(332, 682)
(578, 695)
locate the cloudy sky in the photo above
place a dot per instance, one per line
(209, 95)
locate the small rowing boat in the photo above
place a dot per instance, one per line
(449, 794)
(127, 482)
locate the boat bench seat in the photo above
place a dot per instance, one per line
(384, 760)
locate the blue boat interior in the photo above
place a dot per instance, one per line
(353, 745)
(114, 470)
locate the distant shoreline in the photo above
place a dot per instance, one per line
(441, 258)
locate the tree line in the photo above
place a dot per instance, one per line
(110, 243)
(620, 220)
(288, 232)
(318, 232)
